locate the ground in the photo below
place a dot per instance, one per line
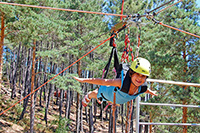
(9, 122)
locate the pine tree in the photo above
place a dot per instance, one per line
(63, 37)
(7, 15)
(171, 53)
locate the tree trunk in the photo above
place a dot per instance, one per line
(95, 111)
(81, 117)
(45, 79)
(27, 85)
(7, 65)
(91, 126)
(14, 71)
(51, 88)
(69, 93)
(12, 77)
(110, 121)
(36, 70)
(61, 95)
(68, 104)
(20, 74)
(32, 109)
(101, 112)
(24, 69)
(60, 102)
(78, 102)
(39, 80)
(78, 113)
(47, 103)
(122, 112)
(85, 92)
(1, 46)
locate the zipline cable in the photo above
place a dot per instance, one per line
(168, 7)
(56, 75)
(98, 36)
(63, 9)
(160, 6)
(178, 30)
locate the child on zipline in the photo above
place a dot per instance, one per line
(126, 89)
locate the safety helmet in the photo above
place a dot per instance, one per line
(142, 66)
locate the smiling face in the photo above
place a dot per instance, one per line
(138, 79)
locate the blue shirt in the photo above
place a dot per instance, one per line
(107, 93)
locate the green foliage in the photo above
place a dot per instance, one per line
(66, 82)
(18, 110)
(63, 37)
(62, 126)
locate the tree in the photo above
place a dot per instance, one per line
(63, 37)
(171, 53)
(7, 16)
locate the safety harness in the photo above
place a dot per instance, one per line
(121, 67)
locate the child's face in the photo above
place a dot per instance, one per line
(138, 79)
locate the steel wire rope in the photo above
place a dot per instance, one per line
(168, 7)
(56, 75)
(168, 26)
(160, 6)
(98, 36)
(179, 30)
(63, 9)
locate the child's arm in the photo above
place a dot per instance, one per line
(99, 81)
(151, 92)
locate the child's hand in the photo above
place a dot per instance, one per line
(151, 92)
(79, 79)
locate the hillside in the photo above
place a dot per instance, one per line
(9, 122)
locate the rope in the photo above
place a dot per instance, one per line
(114, 98)
(122, 9)
(56, 75)
(168, 7)
(160, 6)
(62, 9)
(178, 30)
(138, 41)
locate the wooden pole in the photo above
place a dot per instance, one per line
(184, 120)
(150, 127)
(130, 114)
(78, 102)
(138, 99)
(113, 114)
(126, 128)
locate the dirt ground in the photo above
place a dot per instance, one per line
(10, 124)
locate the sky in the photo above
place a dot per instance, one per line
(198, 3)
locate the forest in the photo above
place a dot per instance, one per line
(41, 50)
